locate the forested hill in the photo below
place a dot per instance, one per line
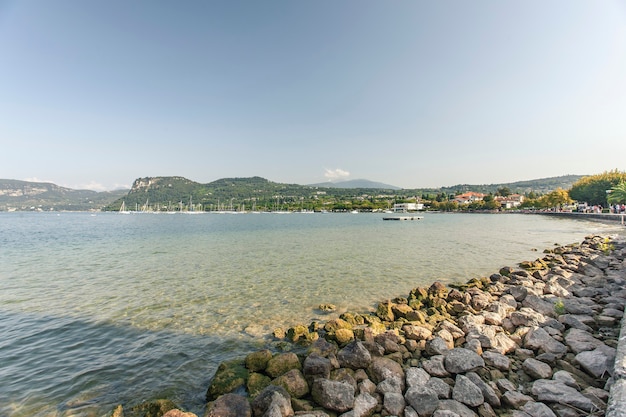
(174, 193)
(27, 195)
(178, 193)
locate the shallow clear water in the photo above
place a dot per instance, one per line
(102, 309)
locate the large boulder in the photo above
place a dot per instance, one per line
(423, 400)
(229, 376)
(383, 368)
(354, 356)
(282, 363)
(293, 381)
(466, 392)
(272, 400)
(558, 392)
(461, 360)
(229, 405)
(333, 395)
(540, 340)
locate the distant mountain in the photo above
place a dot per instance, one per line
(26, 195)
(361, 183)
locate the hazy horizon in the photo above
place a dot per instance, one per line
(414, 94)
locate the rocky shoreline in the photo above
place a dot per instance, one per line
(538, 340)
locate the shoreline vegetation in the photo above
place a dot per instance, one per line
(535, 340)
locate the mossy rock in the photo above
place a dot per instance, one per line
(256, 383)
(333, 325)
(282, 363)
(384, 311)
(377, 327)
(229, 376)
(323, 348)
(257, 361)
(154, 408)
(354, 319)
(416, 316)
(343, 336)
(437, 290)
(418, 293)
(506, 271)
(297, 332)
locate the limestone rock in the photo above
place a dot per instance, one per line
(488, 392)
(423, 400)
(442, 389)
(580, 340)
(557, 392)
(257, 361)
(229, 376)
(456, 407)
(354, 356)
(394, 403)
(597, 362)
(272, 398)
(416, 377)
(382, 368)
(535, 409)
(461, 360)
(229, 405)
(333, 395)
(293, 381)
(316, 366)
(497, 360)
(282, 363)
(538, 339)
(435, 366)
(364, 405)
(466, 392)
(537, 369)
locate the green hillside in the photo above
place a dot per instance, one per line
(181, 194)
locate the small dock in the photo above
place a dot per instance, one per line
(403, 218)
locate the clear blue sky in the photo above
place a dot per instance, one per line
(94, 94)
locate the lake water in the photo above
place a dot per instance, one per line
(102, 309)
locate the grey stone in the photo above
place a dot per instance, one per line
(272, 400)
(354, 356)
(333, 395)
(537, 369)
(436, 346)
(557, 392)
(571, 320)
(444, 413)
(423, 400)
(416, 377)
(515, 399)
(435, 366)
(391, 384)
(575, 306)
(597, 362)
(456, 407)
(488, 393)
(315, 366)
(382, 368)
(364, 405)
(394, 403)
(543, 305)
(440, 387)
(230, 405)
(505, 385)
(580, 340)
(566, 378)
(537, 409)
(461, 360)
(466, 392)
(538, 339)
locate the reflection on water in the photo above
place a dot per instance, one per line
(96, 310)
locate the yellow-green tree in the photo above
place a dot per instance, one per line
(556, 198)
(593, 189)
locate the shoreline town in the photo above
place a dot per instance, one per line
(538, 340)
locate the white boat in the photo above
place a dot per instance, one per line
(123, 208)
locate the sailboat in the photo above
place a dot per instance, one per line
(123, 208)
